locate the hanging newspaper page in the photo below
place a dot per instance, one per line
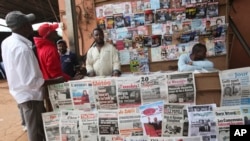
(196, 138)
(181, 88)
(88, 125)
(174, 117)
(136, 138)
(202, 121)
(59, 95)
(153, 88)
(161, 139)
(108, 122)
(225, 117)
(235, 86)
(129, 92)
(51, 125)
(129, 122)
(82, 95)
(245, 111)
(105, 93)
(111, 138)
(69, 125)
(151, 118)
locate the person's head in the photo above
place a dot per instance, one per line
(208, 23)
(84, 92)
(126, 8)
(219, 21)
(155, 119)
(48, 31)
(62, 46)
(150, 17)
(227, 90)
(199, 52)
(98, 36)
(100, 12)
(167, 28)
(20, 23)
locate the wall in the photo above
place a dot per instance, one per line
(238, 56)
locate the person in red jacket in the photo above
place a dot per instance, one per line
(47, 53)
(48, 56)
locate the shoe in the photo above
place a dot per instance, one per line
(24, 128)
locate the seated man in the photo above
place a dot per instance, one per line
(102, 57)
(196, 60)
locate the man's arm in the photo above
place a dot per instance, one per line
(185, 64)
(116, 62)
(89, 61)
(204, 64)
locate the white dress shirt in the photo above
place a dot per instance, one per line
(103, 62)
(23, 73)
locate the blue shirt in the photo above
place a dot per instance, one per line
(196, 65)
(68, 62)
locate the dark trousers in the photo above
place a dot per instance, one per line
(32, 111)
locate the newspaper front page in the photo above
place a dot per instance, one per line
(181, 88)
(245, 111)
(88, 125)
(173, 122)
(82, 95)
(196, 138)
(111, 138)
(59, 95)
(105, 93)
(202, 122)
(69, 125)
(51, 125)
(108, 122)
(129, 92)
(226, 116)
(153, 88)
(136, 138)
(151, 118)
(129, 122)
(235, 86)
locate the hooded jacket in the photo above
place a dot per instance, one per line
(49, 59)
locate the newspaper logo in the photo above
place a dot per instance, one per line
(239, 132)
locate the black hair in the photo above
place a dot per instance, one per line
(219, 19)
(61, 41)
(198, 47)
(98, 29)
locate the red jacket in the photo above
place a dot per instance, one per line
(49, 59)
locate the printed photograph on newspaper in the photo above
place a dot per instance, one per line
(82, 95)
(59, 95)
(151, 118)
(181, 88)
(235, 86)
(129, 122)
(105, 93)
(153, 88)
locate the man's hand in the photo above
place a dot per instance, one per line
(190, 63)
(91, 74)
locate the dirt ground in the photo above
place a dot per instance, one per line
(10, 121)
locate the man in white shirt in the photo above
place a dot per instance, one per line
(196, 60)
(102, 58)
(25, 79)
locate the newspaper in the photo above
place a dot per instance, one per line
(69, 125)
(51, 125)
(151, 118)
(245, 111)
(153, 88)
(129, 122)
(181, 88)
(196, 138)
(82, 95)
(173, 122)
(136, 138)
(226, 116)
(129, 92)
(108, 122)
(105, 93)
(202, 122)
(88, 125)
(235, 86)
(59, 95)
(111, 138)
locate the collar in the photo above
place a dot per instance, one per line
(67, 53)
(23, 39)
